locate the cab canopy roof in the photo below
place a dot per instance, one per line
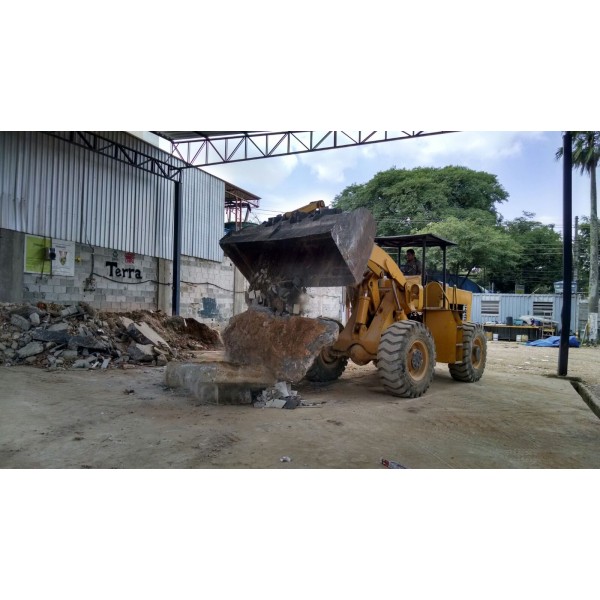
(419, 240)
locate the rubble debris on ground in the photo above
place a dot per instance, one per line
(286, 345)
(77, 336)
(280, 395)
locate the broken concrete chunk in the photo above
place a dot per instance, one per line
(141, 352)
(81, 364)
(86, 341)
(20, 322)
(59, 327)
(45, 335)
(283, 389)
(69, 311)
(275, 403)
(125, 322)
(218, 382)
(26, 311)
(30, 349)
(144, 334)
(34, 318)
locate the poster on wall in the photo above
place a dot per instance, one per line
(35, 254)
(64, 263)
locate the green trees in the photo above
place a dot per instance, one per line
(482, 249)
(586, 154)
(461, 205)
(404, 200)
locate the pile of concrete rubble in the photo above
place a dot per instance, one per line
(56, 337)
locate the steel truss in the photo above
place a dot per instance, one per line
(203, 150)
(121, 153)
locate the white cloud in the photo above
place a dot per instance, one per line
(331, 166)
(452, 148)
(262, 174)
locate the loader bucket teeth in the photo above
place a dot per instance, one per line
(324, 249)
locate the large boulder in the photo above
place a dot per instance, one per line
(285, 345)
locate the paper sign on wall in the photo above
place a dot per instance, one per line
(35, 254)
(37, 262)
(64, 264)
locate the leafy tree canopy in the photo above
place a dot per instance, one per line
(480, 246)
(540, 263)
(405, 200)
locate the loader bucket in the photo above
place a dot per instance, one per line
(323, 249)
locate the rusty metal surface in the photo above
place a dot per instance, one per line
(318, 251)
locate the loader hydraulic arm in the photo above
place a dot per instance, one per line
(382, 264)
(408, 290)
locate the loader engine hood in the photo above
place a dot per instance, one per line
(326, 248)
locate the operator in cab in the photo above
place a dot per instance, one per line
(413, 265)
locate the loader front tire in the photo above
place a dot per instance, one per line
(474, 355)
(326, 367)
(406, 359)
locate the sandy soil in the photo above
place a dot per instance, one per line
(130, 419)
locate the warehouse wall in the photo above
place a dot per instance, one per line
(11, 255)
(122, 281)
(208, 291)
(49, 187)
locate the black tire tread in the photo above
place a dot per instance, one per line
(465, 371)
(391, 355)
(321, 371)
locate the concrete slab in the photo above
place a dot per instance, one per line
(213, 380)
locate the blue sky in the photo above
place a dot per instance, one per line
(523, 162)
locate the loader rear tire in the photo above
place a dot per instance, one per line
(328, 366)
(474, 355)
(406, 359)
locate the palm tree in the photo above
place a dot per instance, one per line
(586, 155)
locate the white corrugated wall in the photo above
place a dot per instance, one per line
(51, 188)
(515, 305)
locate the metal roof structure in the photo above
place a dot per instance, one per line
(203, 148)
(418, 239)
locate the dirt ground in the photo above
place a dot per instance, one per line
(514, 417)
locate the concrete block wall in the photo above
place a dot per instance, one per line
(326, 302)
(119, 285)
(208, 290)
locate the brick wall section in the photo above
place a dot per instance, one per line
(116, 293)
(207, 290)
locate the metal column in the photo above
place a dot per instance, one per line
(177, 210)
(565, 332)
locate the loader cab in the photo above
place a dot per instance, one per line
(397, 244)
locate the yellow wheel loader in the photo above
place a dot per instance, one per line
(402, 323)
